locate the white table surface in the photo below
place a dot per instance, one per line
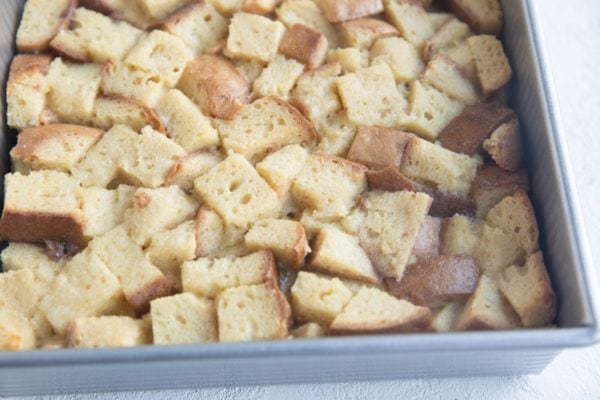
(572, 32)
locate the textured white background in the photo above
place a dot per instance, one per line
(572, 32)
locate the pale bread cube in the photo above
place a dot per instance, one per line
(183, 318)
(370, 96)
(248, 69)
(141, 284)
(373, 310)
(483, 16)
(315, 93)
(107, 331)
(26, 90)
(338, 253)
(159, 9)
(401, 56)
(215, 239)
(411, 20)
(253, 37)
(189, 167)
(318, 298)
(449, 35)
(306, 12)
(261, 7)
(459, 235)
(329, 185)
(281, 167)
(103, 209)
(305, 45)
(278, 78)
(443, 74)
(389, 216)
(336, 133)
(462, 55)
(41, 206)
(17, 256)
(81, 40)
(361, 33)
(114, 110)
(209, 277)
(309, 330)
(16, 332)
(273, 124)
(438, 19)
(120, 79)
(34, 35)
(350, 58)
(58, 147)
(246, 313)
(228, 7)
(445, 319)
(199, 25)
(344, 10)
(493, 67)
(285, 238)
(72, 89)
(185, 123)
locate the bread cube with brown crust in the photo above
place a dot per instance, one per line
(528, 289)
(315, 94)
(58, 147)
(34, 35)
(253, 37)
(378, 148)
(493, 67)
(411, 20)
(449, 35)
(487, 309)
(443, 74)
(285, 238)
(114, 110)
(278, 78)
(307, 12)
(107, 331)
(373, 310)
(436, 280)
(401, 56)
(344, 10)
(16, 332)
(492, 184)
(121, 10)
(505, 146)
(363, 32)
(305, 45)
(188, 168)
(213, 84)
(482, 16)
(465, 133)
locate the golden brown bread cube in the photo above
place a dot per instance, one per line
(482, 16)
(493, 183)
(343, 10)
(493, 67)
(363, 32)
(505, 146)
(378, 147)
(305, 45)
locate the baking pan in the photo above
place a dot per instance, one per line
(367, 357)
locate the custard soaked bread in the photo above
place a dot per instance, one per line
(228, 170)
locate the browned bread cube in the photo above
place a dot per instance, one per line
(446, 76)
(483, 16)
(448, 36)
(343, 10)
(505, 146)
(307, 12)
(378, 147)
(493, 67)
(492, 184)
(41, 21)
(436, 280)
(363, 32)
(305, 45)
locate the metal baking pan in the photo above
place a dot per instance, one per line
(367, 357)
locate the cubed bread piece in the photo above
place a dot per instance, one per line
(459, 235)
(183, 318)
(378, 147)
(487, 309)
(235, 190)
(169, 249)
(17, 256)
(26, 90)
(305, 45)
(338, 253)
(315, 93)
(309, 330)
(114, 110)
(510, 234)
(443, 74)
(287, 240)
(261, 7)
(278, 78)
(40, 22)
(259, 312)
(466, 132)
(528, 289)
(372, 310)
(185, 123)
(429, 110)
(449, 35)
(306, 12)
(389, 216)
(317, 298)
(427, 243)
(113, 331)
(199, 25)
(430, 163)
(41, 206)
(103, 209)
(281, 167)
(370, 96)
(141, 284)
(411, 20)
(272, 122)
(363, 32)
(493, 67)
(401, 56)
(336, 133)
(462, 56)
(248, 69)
(121, 10)
(214, 85)
(57, 146)
(253, 37)
(188, 168)
(16, 332)
(159, 9)
(482, 16)
(160, 54)
(505, 146)
(329, 185)
(85, 287)
(120, 79)
(344, 10)
(209, 277)
(157, 210)
(215, 239)
(350, 58)
(438, 19)
(492, 184)
(81, 40)
(436, 280)
(445, 319)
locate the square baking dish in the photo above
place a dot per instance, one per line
(364, 357)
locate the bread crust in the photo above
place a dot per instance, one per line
(305, 45)
(343, 10)
(43, 45)
(140, 300)
(420, 322)
(505, 146)
(376, 27)
(37, 227)
(378, 147)
(148, 113)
